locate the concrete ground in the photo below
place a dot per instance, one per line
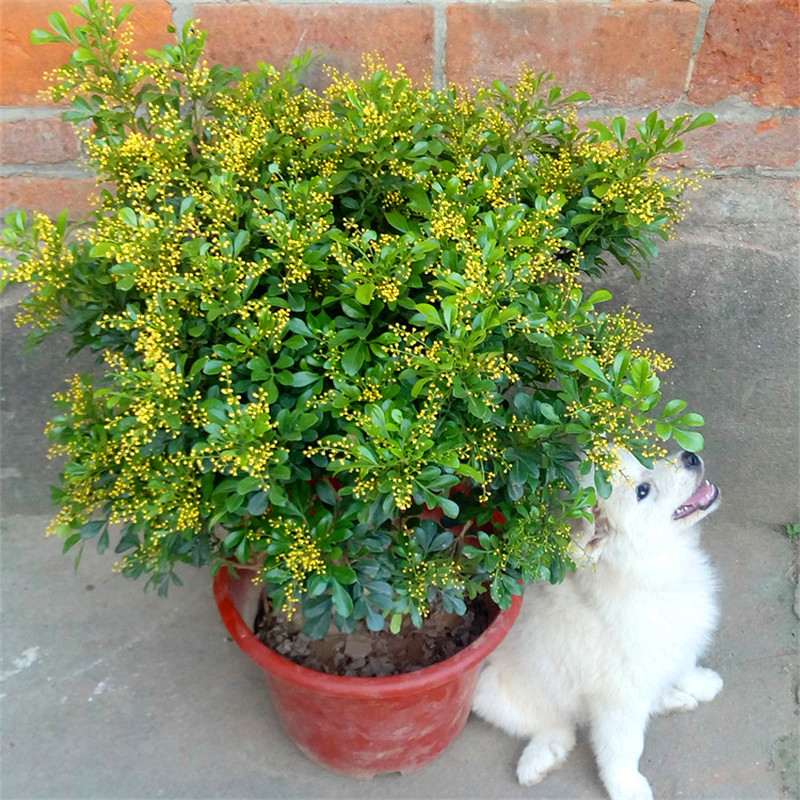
(110, 693)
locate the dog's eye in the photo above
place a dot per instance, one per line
(642, 490)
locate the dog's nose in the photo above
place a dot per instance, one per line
(690, 460)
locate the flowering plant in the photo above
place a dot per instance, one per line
(342, 329)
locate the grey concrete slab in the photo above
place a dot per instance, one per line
(108, 692)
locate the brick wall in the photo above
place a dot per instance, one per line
(737, 58)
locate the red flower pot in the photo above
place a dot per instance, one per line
(364, 726)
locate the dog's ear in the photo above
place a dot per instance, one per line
(589, 539)
(602, 528)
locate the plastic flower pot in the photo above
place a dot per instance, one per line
(361, 727)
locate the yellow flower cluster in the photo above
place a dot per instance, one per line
(246, 444)
(145, 488)
(482, 448)
(642, 196)
(613, 428)
(375, 260)
(47, 269)
(546, 535)
(401, 461)
(388, 289)
(390, 121)
(621, 331)
(419, 575)
(294, 231)
(447, 220)
(302, 558)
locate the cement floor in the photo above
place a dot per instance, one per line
(110, 693)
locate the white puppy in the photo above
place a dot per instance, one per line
(619, 640)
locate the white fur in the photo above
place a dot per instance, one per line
(618, 640)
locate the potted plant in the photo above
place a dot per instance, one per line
(350, 346)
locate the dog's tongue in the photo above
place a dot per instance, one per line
(705, 495)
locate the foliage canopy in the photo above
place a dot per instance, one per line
(346, 333)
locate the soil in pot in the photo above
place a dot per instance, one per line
(366, 653)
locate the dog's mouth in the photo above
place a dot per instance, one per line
(705, 497)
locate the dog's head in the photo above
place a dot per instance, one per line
(649, 506)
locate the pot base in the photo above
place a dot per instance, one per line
(362, 727)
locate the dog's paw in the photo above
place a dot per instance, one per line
(628, 786)
(540, 757)
(676, 700)
(703, 684)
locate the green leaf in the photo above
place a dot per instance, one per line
(417, 388)
(83, 55)
(469, 472)
(248, 484)
(602, 484)
(663, 430)
(397, 220)
(258, 504)
(429, 312)
(576, 97)
(418, 200)
(213, 366)
(375, 621)
(317, 623)
(600, 296)
(672, 407)
(233, 539)
(42, 37)
(91, 529)
(242, 238)
(688, 440)
(676, 147)
(353, 358)
(450, 507)
(701, 121)
(342, 601)
(296, 325)
(303, 378)
(588, 366)
(602, 133)
(317, 584)
(326, 492)
(690, 419)
(59, 25)
(128, 216)
(306, 421)
(343, 574)
(123, 14)
(102, 249)
(277, 495)
(549, 413)
(364, 293)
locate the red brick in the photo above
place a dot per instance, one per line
(621, 53)
(48, 195)
(242, 35)
(774, 143)
(750, 50)
(42, 141)
(22, 64)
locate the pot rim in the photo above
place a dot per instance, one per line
(354, 686)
